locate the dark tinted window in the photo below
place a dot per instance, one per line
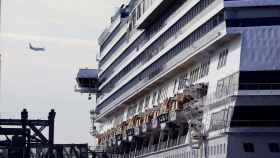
(248, 147)
(274, 147)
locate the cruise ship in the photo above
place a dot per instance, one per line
(188, 79)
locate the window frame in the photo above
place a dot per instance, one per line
(249, 147)
(223, 55)
(274, 147)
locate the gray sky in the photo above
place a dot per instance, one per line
(41, 81)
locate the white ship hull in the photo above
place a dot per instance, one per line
(192, 79)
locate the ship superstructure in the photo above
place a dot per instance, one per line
(188, 78)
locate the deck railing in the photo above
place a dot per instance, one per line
(161, 146)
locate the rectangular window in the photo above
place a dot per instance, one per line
(175, 86)
(249, 147)
(204, 69)
(159, 98)
(219, 119)
(131, 111)
(222, 58)
(147, 101)
(154, 98)
(182, 81)
(138, 11)
(227, 85)
(141, 105)
(194, 75)
(274, 147)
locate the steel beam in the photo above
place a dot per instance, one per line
(17, 122)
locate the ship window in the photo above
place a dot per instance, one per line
(141, 105)
(159, 98)
(215, 149)
(164, 93)
(147, 100)
(227, 85)
(131, 111)
(175, 86)
(274, 147)
(139, 11)
(223, 58)
(218, 120)
(182, 81)
(224, 148)
(248, 147)
(194, 76)
(154, 98)
(204, 69)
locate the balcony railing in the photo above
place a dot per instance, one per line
(152, 12)
(161, 146)
(171, 53)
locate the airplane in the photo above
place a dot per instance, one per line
(35, 48)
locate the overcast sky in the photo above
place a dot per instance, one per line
(40, 81)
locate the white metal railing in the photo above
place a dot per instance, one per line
(154, 4)
(169, 22)
(107, 31)
(160, 146)
(157, 56)
(113, 42)
(167, 66)
(119, 52)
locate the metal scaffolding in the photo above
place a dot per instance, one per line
(21, 135)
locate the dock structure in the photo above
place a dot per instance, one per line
(29, 138)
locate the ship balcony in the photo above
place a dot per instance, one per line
(146, 128)
(111, 142)
(163, 120)
(130, 134)
(154, 12)
(138, 131)
(124, 137)
(155, 124)
(195, 91)
(119, 139)
(177, 117)
(87, 80)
